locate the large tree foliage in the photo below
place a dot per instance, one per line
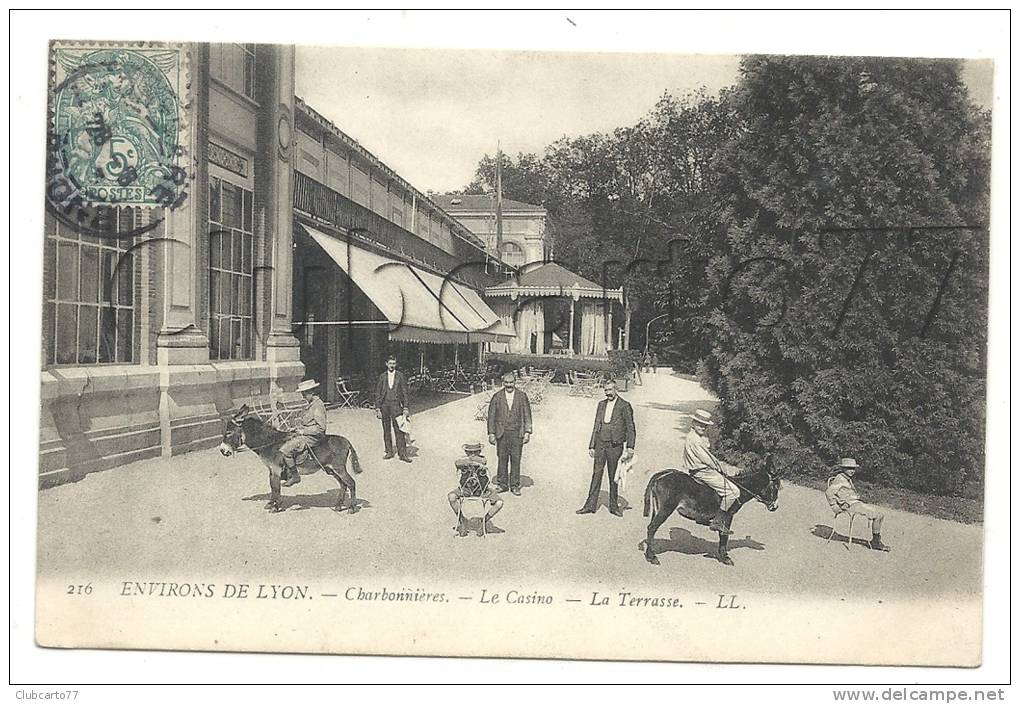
(816, 237)
(852, 280)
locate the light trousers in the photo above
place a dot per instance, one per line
(727, 490)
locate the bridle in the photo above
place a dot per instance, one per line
(243, 445)
(770, 505)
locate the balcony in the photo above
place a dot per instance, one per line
(325, 204)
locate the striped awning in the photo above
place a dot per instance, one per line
(420, 306)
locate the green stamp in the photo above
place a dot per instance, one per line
(117, 125)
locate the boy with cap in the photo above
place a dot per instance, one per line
(843, 497)
(474, 481)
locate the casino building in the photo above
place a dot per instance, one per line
(295, 249)
(381, 268)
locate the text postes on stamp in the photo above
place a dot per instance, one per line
(117, 126)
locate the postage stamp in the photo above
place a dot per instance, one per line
(703, 381)
(117, 124)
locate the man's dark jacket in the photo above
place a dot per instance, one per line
(500, 416)
(399, 390)
(621, 424)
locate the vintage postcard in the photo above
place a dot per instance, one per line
(578, 355)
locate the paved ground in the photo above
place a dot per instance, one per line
(203, 514)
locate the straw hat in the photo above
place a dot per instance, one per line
(307, 385)
(843, 465)
(702, 417)
(473, 447)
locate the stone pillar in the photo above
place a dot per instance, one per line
(276, 135)
(182, 347)
(181, 339)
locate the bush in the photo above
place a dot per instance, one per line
(621, 362)
(503, 362)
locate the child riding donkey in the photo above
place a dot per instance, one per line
(308, 433)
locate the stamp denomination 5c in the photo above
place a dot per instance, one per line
(117, 123)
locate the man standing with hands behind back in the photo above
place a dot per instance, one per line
(509, 430)
(613, 436)
(390, 404)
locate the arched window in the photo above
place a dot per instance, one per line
(512, 254)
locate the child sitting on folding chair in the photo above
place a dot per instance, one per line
(474, 483)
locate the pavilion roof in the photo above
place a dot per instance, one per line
(552, 279)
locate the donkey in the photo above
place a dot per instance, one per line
(248, 429)
(671, 490)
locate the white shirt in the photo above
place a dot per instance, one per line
(390, 376)
(509, 399)
(608, 415)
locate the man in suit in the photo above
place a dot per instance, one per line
(612, 437)
(509, 430)
(390, 404)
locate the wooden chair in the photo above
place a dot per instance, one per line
(482, 412)
(445, 381)
(574, 387)
(348, 398)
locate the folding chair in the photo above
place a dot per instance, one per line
(850, 528)
(445, 382)
(482, 411)
(348, 397)
(574, 387)
(483, 504)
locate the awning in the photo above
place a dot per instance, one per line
(421, 306)
(465, 306)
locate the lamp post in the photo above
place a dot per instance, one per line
(647, 326)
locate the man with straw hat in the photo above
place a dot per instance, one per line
(843, 496)
(309, 431)
(703, 466)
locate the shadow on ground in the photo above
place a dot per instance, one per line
(326, 499)
(683, 541)
(680, 406)
(823, 532)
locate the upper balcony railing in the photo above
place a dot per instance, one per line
(321, 202)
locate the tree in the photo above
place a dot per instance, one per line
(847, 319)
(524, 178)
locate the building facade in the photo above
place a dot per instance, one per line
(161, 321)
(524, 226)
(381, 268)
(149, 339)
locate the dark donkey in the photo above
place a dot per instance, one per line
(248, 429)
(671, 490)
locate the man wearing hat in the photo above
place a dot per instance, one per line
(703, 466)
(474, 481)
(843, 496)
(310, 430)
